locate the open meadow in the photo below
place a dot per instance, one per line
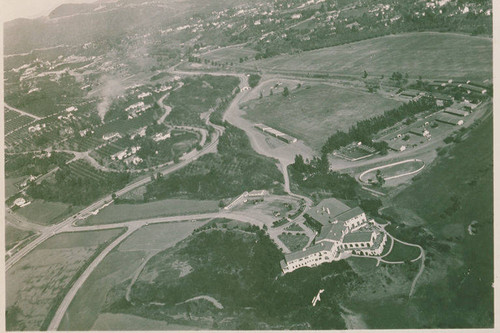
(230, 54)
(37, 283)
(46, 213)
(169, 207)
(429, 54)
(14, 235)
(315, 112)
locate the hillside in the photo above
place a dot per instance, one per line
(431, 55)
(78, 24)
(447, 198)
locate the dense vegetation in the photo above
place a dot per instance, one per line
(235, 168)
(253, 80)
(31, 164)
(51, 93)
(198, 95)
(365, 129)
(316, 176)
(239, 267)
(77, 187)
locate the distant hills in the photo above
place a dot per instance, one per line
(74, 24)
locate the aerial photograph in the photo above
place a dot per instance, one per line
(184, 165)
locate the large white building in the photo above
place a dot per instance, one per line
(345, 234)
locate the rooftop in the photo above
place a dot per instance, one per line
(356, 237)
(326, 210)
(307, 252)
(331, 232)
(347, 215)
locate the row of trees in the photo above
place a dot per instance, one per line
(364, 130)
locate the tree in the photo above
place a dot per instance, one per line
(260, 95)
(380, 178)
(271, 92)
(286, 92)
(299, 164)
(365, 75)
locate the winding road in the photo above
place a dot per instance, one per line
(284, 154)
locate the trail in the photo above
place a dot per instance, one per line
(137, 273)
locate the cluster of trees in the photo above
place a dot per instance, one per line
(316, 176)
(198, 95)
(69, 187)
(50, 95)
(398, 79)
(253, 80)
(30, 164)
(363, 130)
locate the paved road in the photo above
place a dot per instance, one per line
(56, 320)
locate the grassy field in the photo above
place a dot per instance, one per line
(230, 54)
(294, 227)
(170, 207)
(38, 281)
(10, 188)
(314, 114)
(433, 55)
(294, 242)
(119, 265)
(159, 236)
(402, 252)
(46, 213)
(14, 235)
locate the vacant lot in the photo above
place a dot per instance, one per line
(38, 282)
(314, 114)
(45, 213)
(120, 265)
(171, 207)
(433, 55)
